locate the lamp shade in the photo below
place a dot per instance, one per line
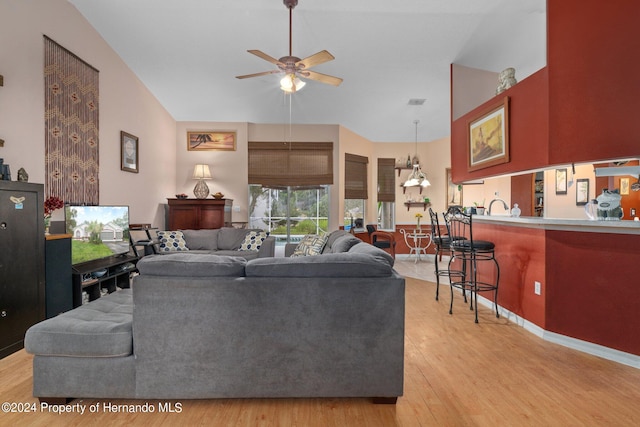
(201, 172)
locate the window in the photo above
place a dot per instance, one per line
(288, 191)
(354, 210)
(355, 190)
(386, 194)
(289, 213)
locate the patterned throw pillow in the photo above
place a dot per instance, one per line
(171, 241)
(252, 241)
(310, 244)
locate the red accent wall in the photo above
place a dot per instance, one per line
(592, 290)
(521, 254)
(584, 105)
(528, 130)
(594, 97)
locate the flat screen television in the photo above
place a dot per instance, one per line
(97, 231)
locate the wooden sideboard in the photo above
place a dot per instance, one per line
(195, 214)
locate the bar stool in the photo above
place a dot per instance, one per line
(470, 252)
(442, 244)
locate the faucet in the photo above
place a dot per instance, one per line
(506, 207)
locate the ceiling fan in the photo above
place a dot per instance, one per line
(294, 67)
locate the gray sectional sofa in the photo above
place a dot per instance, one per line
(205, 326)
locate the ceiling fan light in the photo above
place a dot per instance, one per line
(286, 84)
(290, 83)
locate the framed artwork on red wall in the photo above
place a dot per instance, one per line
(489, 137)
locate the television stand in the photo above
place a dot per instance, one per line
(107, 273)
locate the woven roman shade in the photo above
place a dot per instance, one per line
(355, 176)
(386, 180)
(295, 164)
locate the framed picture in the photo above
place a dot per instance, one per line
(489, 137)
(128, 152)
(211, 140)
(453, 192)
(561, 181)
(582, 191)
(624, 186)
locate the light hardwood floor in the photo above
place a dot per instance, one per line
(457, 373)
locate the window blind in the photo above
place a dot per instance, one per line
(355, 176)
(296, 164)
(386, 180)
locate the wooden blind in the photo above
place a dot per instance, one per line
(296, 164)
(386, 180)
(355, 176)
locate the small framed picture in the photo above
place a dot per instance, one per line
(582, 191)
(211, 141)
(128, 152)
(561, 181)
(624, 186)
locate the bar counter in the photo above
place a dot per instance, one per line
(589, 273)
(561, 224)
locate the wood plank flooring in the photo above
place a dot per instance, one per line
(457, 373)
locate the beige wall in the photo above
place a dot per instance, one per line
(564, 205)
(353, 143)
(492, 188)
(125, 104)
(470, 87)
(434, 159)
(228, 168)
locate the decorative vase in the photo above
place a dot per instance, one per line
(201, 190)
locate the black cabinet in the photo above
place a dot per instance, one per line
(58, 289)
(22, 271)
(102, 275)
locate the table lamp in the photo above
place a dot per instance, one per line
(201, 172)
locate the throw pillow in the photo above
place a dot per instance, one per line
(310, 245)
(253, 240)
(171, 241)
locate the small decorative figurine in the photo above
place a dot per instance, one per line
(506, 79)
(23, 176)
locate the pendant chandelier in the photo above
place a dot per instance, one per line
(417, 177)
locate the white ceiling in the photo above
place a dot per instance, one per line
(188, 52)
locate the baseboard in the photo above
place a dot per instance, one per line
(565, 341)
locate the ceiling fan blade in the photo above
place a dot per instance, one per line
(316, 59)
(322, 78)
(265, 56)
(264, 73)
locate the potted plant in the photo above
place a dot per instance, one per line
(479, 208)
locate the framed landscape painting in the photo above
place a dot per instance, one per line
(489, 137)
(211, 140)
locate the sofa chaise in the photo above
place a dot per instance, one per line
(197, 326)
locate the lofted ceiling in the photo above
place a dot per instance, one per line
(188, 52)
